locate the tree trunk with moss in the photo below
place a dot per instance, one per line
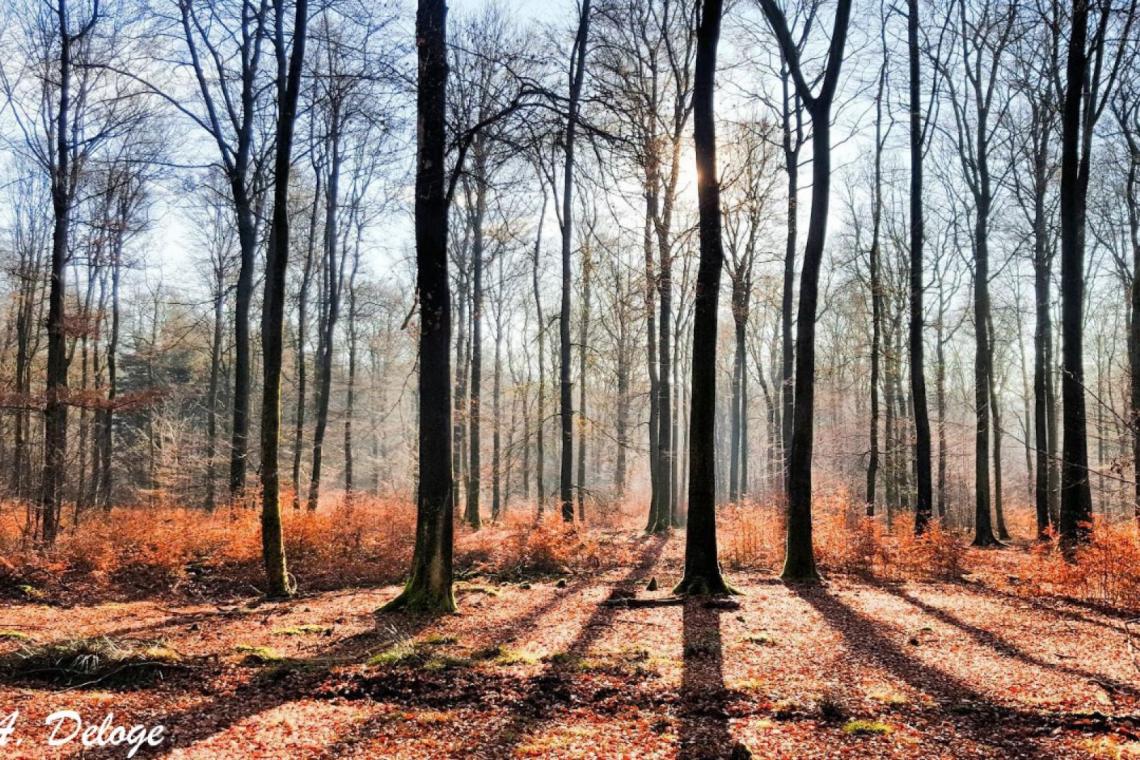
(273, 319)
(430, 585)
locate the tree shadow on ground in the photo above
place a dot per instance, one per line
(703, 711)
(1008, 730)
(294, 678)
(1056, 606)
(531, 701)
(990, 639)
(270, 687)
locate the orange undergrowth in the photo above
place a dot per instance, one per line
(1105, 570)
(845, 541)
(138, 551)
(134, 552)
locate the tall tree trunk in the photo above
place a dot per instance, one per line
(583, 355)
(674, 500)
(745, 490)
(462, 361)
(940, 399)
(876, 293)
(1026, 397)
(91, 496)
(429, 587)
(215, 382)
(983, 532)
(289, 88)
(566, 404)
(737, 407)
(302, 329)
(106, 481)
(791, 106)
(655, 524)
(622, 422)
(540, 421)
(999, 505)
(475, 399)
(1042, 364)
(924, 497)
(350, 391)
(799, 562)
(56, 392)
(334, 278)
(496, 403)
(891, 425)
(1132, 195)
(702, 570)
(243, 297)
(1076, 498)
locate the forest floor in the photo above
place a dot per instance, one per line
(553, 667)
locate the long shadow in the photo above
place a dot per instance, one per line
(981, 589)
(988, 723)
(534, 699)
(295, 678)
(268, 689)
(704, 699)
(1003, 647)
(550, 689)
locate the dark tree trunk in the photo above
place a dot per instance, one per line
(1042, 344)
(566, 404)
(737, 406)
(273, 320)
(497, 414)
(674, 498)
(1076, 498)
(475, 399)
(215, 383)
(462, 361)
(655, 524)
(983, 530)
(429, 587)
(107, 428)
(924, 497)
(540, 421)
(702, 570)
(1130, 126)
(999, 507)
(56, 392)
(799, 563)
(622, 424)
(792, 142)
(243, 297)
(237, 159)
(876, 293)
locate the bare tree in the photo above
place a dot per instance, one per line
(429, 587)
(1092, 72)
(289, 70)
(702, 569)
(748, 195)
(566, 403)
(800, 561)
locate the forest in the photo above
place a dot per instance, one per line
(570, 378)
